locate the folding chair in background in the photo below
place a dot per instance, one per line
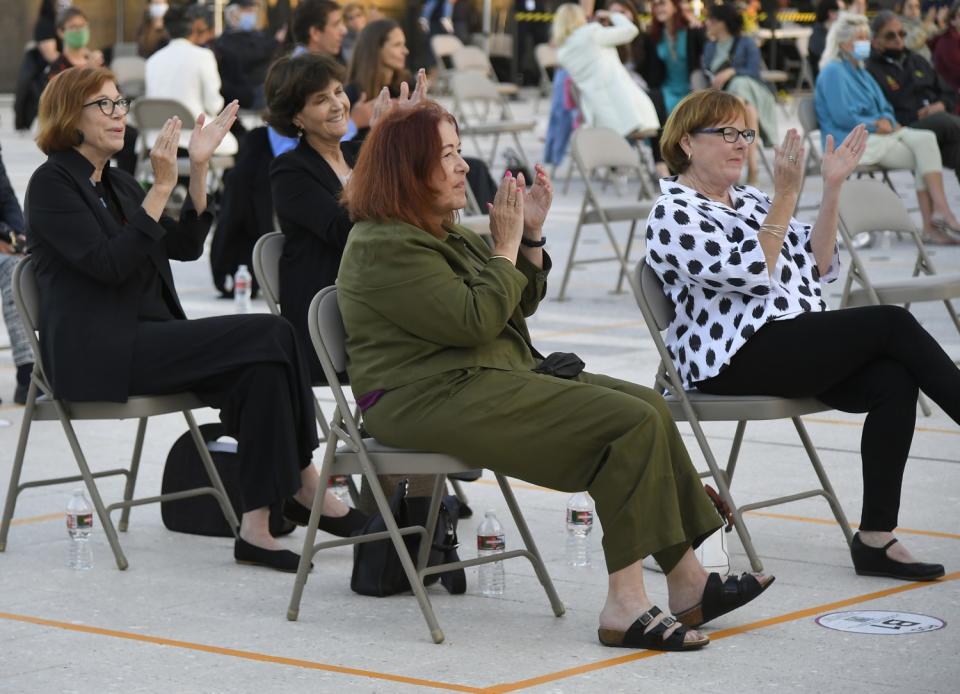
(43, 406)
(370, 458)
(473, 91)
(590, 149)
(695, 407)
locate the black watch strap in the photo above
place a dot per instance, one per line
(530, 243)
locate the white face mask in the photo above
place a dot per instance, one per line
(861, 50)
(157, 11)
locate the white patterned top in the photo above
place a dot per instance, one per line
(714, 271)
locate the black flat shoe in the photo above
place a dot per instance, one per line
(345, 526)
(720, 597)
(279, 559)
(642, 635)
(873, 561)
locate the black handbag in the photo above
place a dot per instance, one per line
(560, 364)
(377, 570)
(201, 515)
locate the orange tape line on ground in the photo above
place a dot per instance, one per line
(715, 636)
(36, 519)
(828, 521)
(246, 655)
(844, 422)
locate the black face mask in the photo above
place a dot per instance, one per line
(893, 53)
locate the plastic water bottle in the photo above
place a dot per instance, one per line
(242, 287)
(79, 526)
(579, 525)
(712, 554)
(338, 484)
(490, 541)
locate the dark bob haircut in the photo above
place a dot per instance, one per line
(729, 15)
(291, 81)
(391, 178)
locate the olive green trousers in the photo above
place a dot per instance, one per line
(612, 438)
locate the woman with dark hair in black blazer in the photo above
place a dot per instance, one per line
(111, 324)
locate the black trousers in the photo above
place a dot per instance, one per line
(872, 359)
(251, 369)
(946, 126)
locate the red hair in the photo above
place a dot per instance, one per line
(677, 22)
(391, 179)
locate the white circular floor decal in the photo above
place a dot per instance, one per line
(880, 622)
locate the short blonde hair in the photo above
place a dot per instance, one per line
(567, 19)
(61, 105)
(704, 108)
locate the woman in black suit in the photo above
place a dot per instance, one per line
(111, 324)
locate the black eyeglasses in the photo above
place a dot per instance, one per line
(891, 35)
(730, 134)
(109, 106)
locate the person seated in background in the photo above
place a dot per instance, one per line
(945, 48)
(746, 280)
(111, 325)
(378, 62)
(440, 359)
(186, 72)
(355, 19)
(919, 28)
(73, 29)
(826, 15)
(733, 64)
(674, 51)
(152, 35)
(251, 48)
(12, 248)
(317, 27)
(846, 96)
(919, 96)
(609, 97)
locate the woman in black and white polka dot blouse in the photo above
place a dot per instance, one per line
(745, 279)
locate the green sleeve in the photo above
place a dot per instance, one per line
(416, 288)
(536, 288)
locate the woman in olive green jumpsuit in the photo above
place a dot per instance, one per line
(441, 359)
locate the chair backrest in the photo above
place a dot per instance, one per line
(650, 290)
(471, 58)
(26, 297)
(151, 114)
(329, 339)
(473, 86)
(445, 45)
(807, 114)
(124, 50)
(546, 56)
(595, 147)
(266, 267)
(869, 205)
(130, 71)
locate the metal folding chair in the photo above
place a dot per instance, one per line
(590, 149)
(474, 89)
(43, 406)
(370, 458)
(695, 407)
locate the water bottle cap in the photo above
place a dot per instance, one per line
(489, 512)
(241, 267)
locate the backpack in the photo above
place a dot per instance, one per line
(201, 515)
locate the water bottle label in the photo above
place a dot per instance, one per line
(490, 543)
(579, 517)
(337, 480)
(78, 521)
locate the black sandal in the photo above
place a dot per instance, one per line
(642, 635)
(720, 597)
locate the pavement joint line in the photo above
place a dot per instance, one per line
(859, 423)
(716, 636)
(237, 653)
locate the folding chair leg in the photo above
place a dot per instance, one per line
(354, 492)
(566, 182)
(108, 529)
(14, 489)
(436, 497)
(222, 498)
(324, 427)
(573, 251)
(531, 546)
(132, 475)
(626, 256)
(459, 493)
(830, 495)
(735, 449)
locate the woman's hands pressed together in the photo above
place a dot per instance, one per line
(536, 203)
(506, 217)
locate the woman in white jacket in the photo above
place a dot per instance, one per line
(609, 97)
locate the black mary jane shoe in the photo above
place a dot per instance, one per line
(873, 561)
(344, 526)
(279, 559)
(720, 597)
(642, 635)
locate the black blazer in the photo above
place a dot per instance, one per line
(306, 195)
(87, 268)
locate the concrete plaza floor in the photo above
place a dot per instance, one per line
(185, 618)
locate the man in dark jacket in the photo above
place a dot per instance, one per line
(919, 96)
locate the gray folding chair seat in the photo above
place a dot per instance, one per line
(695, 407)
(590, 149)
(370, 458)
(43, 406)
(443, 46)
(474, 59)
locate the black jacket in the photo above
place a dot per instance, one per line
(88, 272)
(910, 84)
(306, 195)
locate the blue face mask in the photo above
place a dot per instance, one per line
(861, 50)
(247, 21)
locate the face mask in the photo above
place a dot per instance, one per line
(247, 21)
(76, 38)
(861, 50)
(158, 11)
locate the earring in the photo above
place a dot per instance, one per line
(79, 137)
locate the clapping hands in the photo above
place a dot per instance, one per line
(206, 137)
(384, 104)
(839, 163)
